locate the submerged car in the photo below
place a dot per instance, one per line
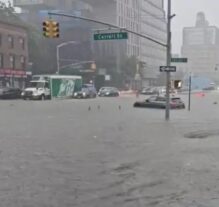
(87, 91)
(108, 92)
(160, 103)
(10, 93)
(149, 91)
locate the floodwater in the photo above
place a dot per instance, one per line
(105, 153)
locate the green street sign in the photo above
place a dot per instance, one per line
(111, 36)
(179, 60)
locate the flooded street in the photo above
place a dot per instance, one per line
(126, 156)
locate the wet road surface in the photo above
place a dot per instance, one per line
(105, 153)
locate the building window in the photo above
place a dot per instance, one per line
(11, 41)
(12, 61)
(1, 60)
(23, 62)
(22, 42)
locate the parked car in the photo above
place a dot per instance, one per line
(210, 88)
(87, 91)
(149, 91)
(10, 93)
(160, 102)
(108, 92)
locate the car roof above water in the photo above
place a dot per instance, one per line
(87, 85)
(108, 88)
(164, 97)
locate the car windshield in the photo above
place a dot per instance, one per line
(161, 99)
(146, 89)
(106, 89)
(37, 84)
(175, 99)
(86, 86)
(84, 89)
(109, 103)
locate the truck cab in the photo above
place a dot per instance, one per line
(38, 90)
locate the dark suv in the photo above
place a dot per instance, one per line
(108, 92)
(87, 91)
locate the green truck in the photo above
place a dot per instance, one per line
(52, 86)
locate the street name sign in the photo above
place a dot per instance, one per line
(179, 60)
(111, 36)
(167, 68)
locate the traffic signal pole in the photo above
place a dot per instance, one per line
(190, 86)
(57, 53)
(169, 17)
(57, 59)
(106, 24)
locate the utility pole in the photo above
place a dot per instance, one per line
(57, 60)
(169, 17)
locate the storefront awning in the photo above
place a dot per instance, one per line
(13, 73)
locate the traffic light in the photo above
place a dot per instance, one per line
(46, 28)
(55, 29)
(177, 84)
(51, 29)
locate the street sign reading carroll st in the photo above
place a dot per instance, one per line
(167, 68)
(179, 60)
(111, 36)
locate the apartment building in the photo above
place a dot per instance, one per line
(13, 54)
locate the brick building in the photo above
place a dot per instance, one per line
(13, 54)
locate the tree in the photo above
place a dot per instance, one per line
(126, 72)
(129, 67)
(41, 52)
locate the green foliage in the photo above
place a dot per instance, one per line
(39, 52)
(128, 67)
(125, 73)
(39, 48)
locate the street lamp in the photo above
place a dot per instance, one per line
(57, 52)
(92, 67)
(137, 79)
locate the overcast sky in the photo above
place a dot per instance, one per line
(186, 11)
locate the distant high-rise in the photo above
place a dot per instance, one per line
(146, 17)
(201, 46)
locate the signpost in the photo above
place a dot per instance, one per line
(167, 68)
(190, 86)
(179, 60)
(111, 36)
